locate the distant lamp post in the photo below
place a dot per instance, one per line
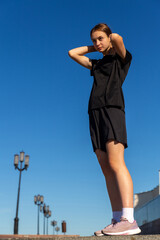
(159, 182)
(53, 223)
(47, 215)
(20, 169)
(64, 229)
(38, 200)
(43, 210)
(57, 229)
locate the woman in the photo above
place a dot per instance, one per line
(107, 123)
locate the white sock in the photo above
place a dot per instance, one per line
(128, 214)
(117, 215)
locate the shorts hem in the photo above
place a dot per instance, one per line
(110, 139)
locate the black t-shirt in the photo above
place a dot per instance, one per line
(109, 74)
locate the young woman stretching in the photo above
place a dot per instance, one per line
(107, 123)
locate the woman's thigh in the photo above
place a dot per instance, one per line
(103, 160)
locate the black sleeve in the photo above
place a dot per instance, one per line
(127, 59)
(94, 61)
(124, 65)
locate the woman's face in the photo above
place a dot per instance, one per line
(101, 41)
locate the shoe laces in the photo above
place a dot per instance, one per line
(112, 222)
(122, 219)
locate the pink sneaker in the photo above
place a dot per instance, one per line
(124, 227)
(99, 233)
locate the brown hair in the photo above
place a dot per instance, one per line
(101, 27)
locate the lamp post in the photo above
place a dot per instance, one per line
(20, 169)
(57, 229)
(38, 200)
(47, 215)
(43, 209)
(53, 223)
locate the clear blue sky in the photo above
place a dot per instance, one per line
(43, 108)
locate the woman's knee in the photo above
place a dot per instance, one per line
(115, 155)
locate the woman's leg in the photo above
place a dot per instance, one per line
(115, 153)
(120, 189)
(111, 181)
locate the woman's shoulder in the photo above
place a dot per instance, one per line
(126, 59)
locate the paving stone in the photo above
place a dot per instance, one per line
(71, 237)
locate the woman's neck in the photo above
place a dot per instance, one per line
(109, 51)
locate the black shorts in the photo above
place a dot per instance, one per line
(107, 124)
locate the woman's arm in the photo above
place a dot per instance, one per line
(118, 45)
(77, 54)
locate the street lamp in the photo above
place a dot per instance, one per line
(20, 169)
(43, 209)
(47, 215)
(159, 182)
(57, 229)
(53, 223)
(38, 200)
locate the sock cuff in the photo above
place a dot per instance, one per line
(128, 213)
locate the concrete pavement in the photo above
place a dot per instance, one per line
(76, 237)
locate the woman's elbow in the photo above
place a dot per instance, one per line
(70, 53)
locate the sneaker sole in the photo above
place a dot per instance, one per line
(128, 232)
(99, 235)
